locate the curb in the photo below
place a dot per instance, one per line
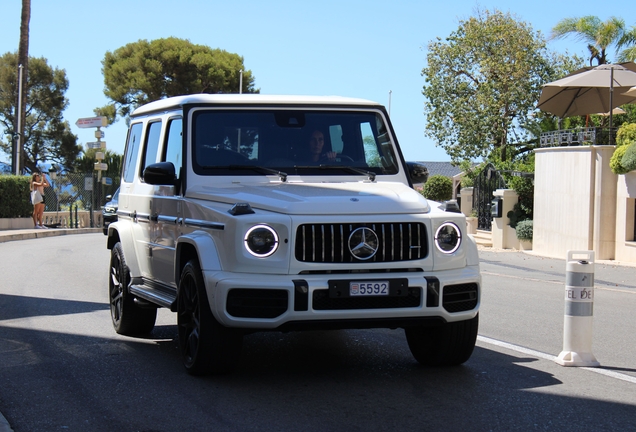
(13, 235)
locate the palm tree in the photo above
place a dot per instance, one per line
(628, 42)
(599, 35)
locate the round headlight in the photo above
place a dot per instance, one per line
(448, 237)
(261, 241)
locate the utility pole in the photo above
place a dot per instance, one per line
(17, 152)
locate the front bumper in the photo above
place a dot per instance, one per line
(306, 301)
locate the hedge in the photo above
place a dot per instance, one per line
(15, 198)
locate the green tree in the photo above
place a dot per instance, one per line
(46, 137)
(144, 71)
(628, 45)
(86, 163)
(483, 83)
(599, 35)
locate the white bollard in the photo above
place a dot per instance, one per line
(579, 306)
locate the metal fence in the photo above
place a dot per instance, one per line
(72, 194)
(579, 136)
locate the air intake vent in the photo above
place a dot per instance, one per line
(256, 303)
(459, 298)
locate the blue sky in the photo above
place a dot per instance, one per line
(356, 48)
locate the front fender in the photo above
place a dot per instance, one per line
(205, 248)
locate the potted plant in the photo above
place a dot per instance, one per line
(524, 234)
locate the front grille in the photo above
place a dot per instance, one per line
(256, 303)
(322, 301)
(328, 243)
(459, 298)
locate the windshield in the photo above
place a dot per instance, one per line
(230, 142)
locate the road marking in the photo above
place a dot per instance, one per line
(541, 355)
(553, 282)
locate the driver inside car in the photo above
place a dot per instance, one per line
(316, 143)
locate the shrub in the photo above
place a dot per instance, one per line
(438, 188)
(628, 161)
(616, 162)
(626, 135)
(15, 197)
(524, 230)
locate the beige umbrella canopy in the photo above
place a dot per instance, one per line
(589, 91)
(631, 92)
(614, 112)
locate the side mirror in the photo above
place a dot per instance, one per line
(109, 197)
(418, 172)
(160, 174)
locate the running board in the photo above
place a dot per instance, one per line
(161, 297)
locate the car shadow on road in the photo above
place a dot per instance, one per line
(348, 380)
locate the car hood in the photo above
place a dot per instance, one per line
(318, 198)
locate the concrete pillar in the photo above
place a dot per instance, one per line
(467, 201)
(604, 216)
(503, 236)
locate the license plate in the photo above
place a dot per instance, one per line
(373, 288)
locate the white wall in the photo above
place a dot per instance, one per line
(563, 200)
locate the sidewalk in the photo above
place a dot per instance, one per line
(25, 234)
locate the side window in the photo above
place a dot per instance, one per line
(371, 154)
(152, 145)
(174, 143)
(132, 152)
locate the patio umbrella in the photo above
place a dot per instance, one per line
(630, 92)
(589, 91)
(614, 112)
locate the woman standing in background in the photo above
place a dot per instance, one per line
(38, 182)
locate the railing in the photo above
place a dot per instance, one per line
(579, 136)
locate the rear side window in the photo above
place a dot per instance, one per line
(152, 145)
(174, 142)
(132, 152)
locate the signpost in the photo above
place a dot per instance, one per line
(95, 122)
(96, 145)
(91, 122)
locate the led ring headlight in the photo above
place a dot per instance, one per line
(448, 237)
(261, 241)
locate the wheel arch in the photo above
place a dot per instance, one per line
(196, 245)
(120, 233)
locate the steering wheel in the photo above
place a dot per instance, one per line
(339, 158)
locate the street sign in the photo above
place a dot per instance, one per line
(107, 181)
(99, 134)
(96, 144)
(91, 122)
(101, 166)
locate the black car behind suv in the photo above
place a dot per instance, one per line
(109, 212)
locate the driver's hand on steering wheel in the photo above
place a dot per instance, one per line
(330, 155)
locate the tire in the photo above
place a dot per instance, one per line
(128, 318)
(448, 345)
(206, 346)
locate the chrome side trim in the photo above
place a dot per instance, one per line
(203, 224)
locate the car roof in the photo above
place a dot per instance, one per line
(248, 99)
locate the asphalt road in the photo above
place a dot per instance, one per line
(62, 367)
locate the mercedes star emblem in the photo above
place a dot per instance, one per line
(363, 243)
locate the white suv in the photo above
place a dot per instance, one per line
(246, 213)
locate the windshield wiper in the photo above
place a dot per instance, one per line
(369, 174)
(260, 169)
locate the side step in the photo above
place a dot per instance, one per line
(160, 296)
